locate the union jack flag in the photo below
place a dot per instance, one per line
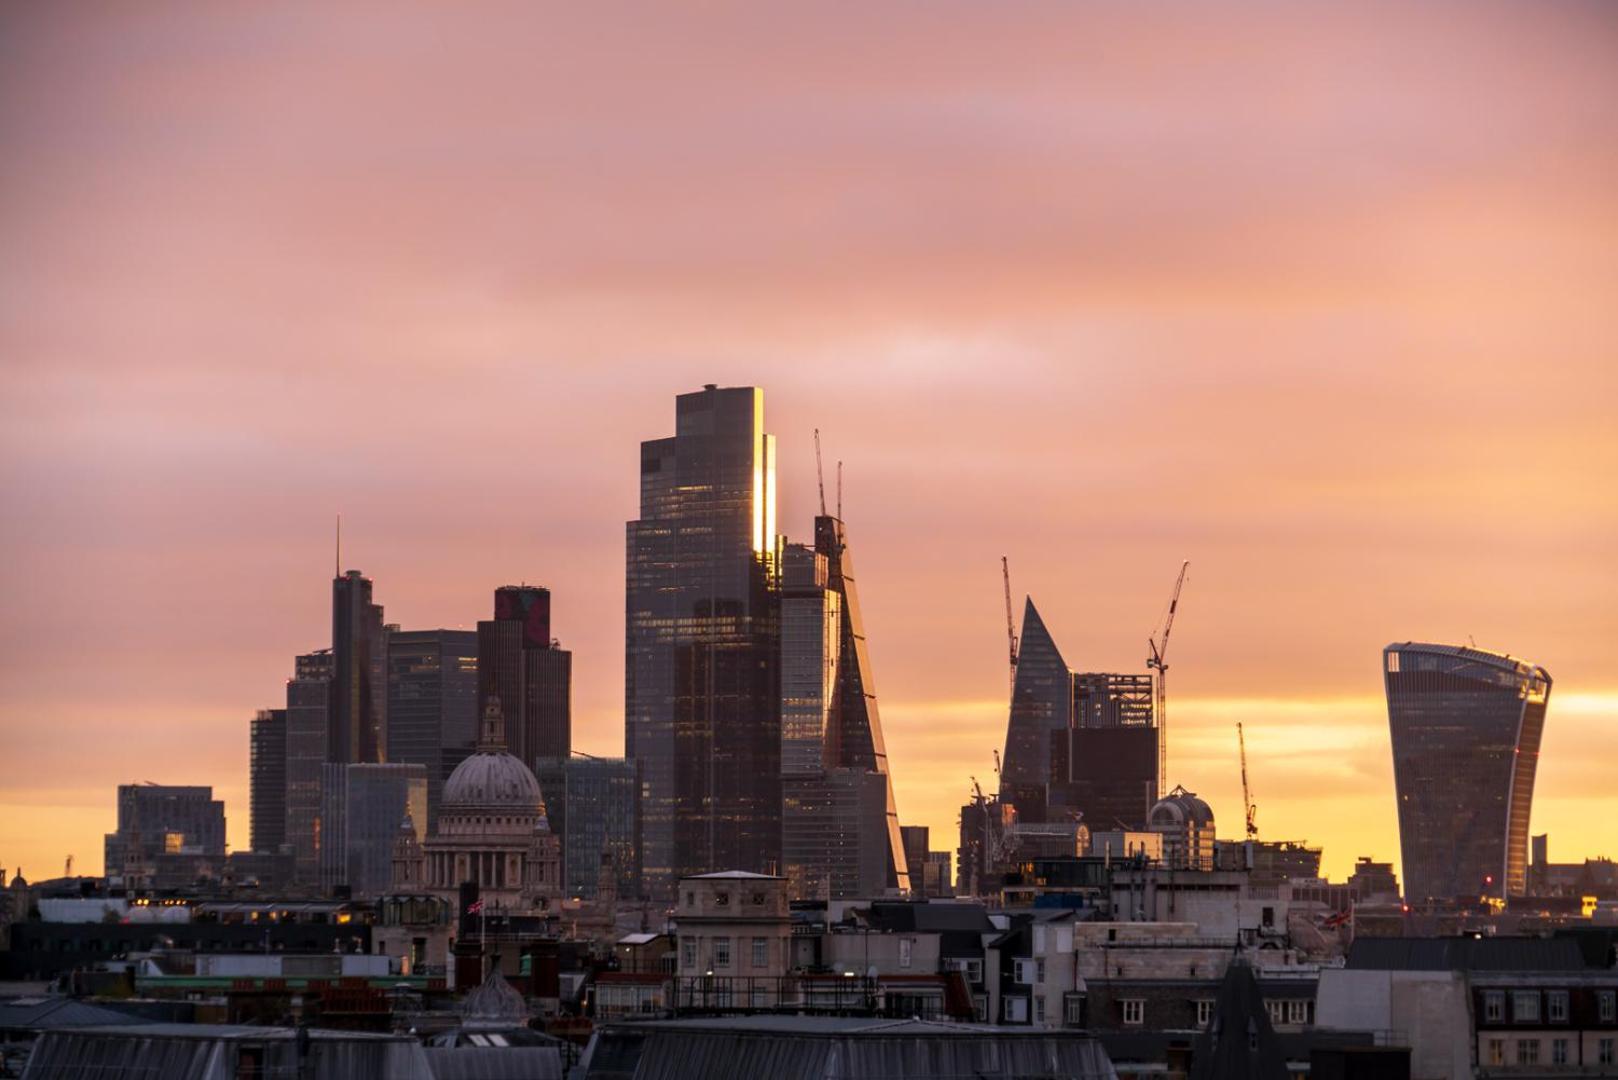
(475, 907)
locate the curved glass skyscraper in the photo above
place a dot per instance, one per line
(1466, 728)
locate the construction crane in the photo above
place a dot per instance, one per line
(1011, 625)
(820, 476)
(1157, 661)
(1247, 798)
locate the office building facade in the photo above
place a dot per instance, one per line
(701, 696)
(362, 809)
(432, 704)
(267, 780)
(1104, 767)
(592, 806)
(165, 819)
(1466, 726)
(308, 726)
(522, 665)
(358, 702)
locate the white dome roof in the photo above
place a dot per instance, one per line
(493, 779)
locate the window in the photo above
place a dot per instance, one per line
(1298, 1012)
(1525, 1006)
(1528, 1051)
(1073, 1010)
(1556, 1006)
(1025, 972)
(1016, 1010)
(758, 997)
(1494, 1006)
(971, 969)
(1497, 1051)
(1604, 1052)
(761, 952)
(721, 952)
(721, 899)
(1204, 1012)
(1039, 1010)
(905, 946)
(1559, 1052)
(980, 1008)
(688, 953)
(1274, 1009)
(1609, 1006)
(1134, 1011)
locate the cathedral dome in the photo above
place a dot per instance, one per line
(492, 778)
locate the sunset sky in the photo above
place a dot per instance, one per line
(1323, 299)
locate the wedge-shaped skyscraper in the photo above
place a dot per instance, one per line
(1041, 704)
(1466, 727)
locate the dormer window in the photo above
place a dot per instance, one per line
(721, 899)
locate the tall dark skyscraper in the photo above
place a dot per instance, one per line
(701, 708)
(1105, 765)
(1466, 727)
(358, 729)
(1041, 703)
(307, 741)
(267, 780)
(522, 665)
(432, 704)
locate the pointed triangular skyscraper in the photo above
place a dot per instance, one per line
(1041, 702)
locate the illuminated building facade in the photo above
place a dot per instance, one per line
(701, 694)
(432, 704)
(528, 671)
(1466, 727)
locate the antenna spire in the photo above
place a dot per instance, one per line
(839, 491)
(820, 477)
(337, 570)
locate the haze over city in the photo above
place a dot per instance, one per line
(1319, 301)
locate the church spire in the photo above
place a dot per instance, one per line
(492, 736)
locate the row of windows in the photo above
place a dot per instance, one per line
(720, 955)
(1525, 1006)
(1527, 1052)
(1294, 1011)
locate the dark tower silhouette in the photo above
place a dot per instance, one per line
(1466, 727)
(701, 715)
(1041, 703)
(358, 730)
(521, 665)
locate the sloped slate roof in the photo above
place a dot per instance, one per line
(35, 1014)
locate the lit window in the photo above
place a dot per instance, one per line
(1134, 1011)
(1204, 1012)
(1497, 1051)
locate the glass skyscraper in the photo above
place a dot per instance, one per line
(1041, 703)
(358, 730)
(1466, 727)
(590, 804)
(432, 704)
(267, 780)
(701, 694)
(523, 666)
(308, 720)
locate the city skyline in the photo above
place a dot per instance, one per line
(1344, 342)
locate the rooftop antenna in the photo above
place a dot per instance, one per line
(839, 491)
(820, 476)
(337, 570)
